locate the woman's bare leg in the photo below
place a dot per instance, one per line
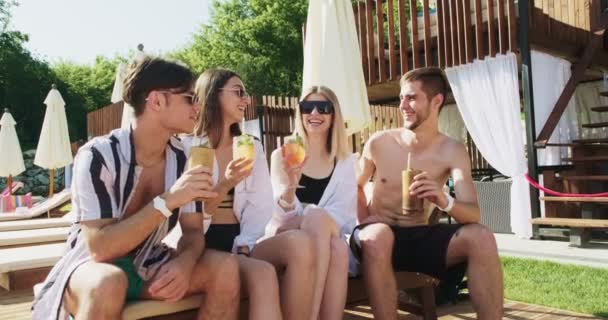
(292, 253)
(321, 227)
(259, 281)
(334, 295)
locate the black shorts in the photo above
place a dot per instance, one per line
(221, 236)
(423, 249)
(419, 249)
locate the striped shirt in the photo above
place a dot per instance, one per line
(105, 176)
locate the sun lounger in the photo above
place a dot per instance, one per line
(16, 186)
(24, 237)
(39, 208)
(22, 267)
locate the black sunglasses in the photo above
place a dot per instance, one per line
(323, 107)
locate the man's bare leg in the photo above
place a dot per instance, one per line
(96, 291)
(377, 247)
(475, 244)
(217, 275)
(334, 293)
(321, 227)
(291, 251)
(259, 280)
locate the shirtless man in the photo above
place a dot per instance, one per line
(390, 240)
(128, 191)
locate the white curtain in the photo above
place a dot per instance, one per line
(587, 97)
(493, 121)
(451, 124)
(549, 77)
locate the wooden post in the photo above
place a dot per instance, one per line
(428, 61)
(9, 184)
(526, 83)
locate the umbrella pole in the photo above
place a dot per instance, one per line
(51, 182)
(9, 184)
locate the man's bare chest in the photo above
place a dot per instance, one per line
(392, 160)
(150, 184)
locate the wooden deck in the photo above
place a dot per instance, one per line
(16, 306)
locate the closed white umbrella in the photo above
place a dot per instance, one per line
(117, 90)
(11, 161)
(54, 145)
(332, 58)
(128, 114)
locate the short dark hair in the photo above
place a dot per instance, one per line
(152, 73)
(207, 90)
(433, 81)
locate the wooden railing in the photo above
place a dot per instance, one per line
(451, 33)
(564, 21)
(101, 121)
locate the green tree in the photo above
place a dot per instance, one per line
(25, 82)
(259, 39)
(5, 13)
(92, 83)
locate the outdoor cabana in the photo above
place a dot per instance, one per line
(564, 40)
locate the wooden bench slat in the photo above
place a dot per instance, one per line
(22, 237)
(149, 308)
(570, 222)
(31, 224)
(23, 258)
(575, 199)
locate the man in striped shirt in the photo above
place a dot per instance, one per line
(127, 194)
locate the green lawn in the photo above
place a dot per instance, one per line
(568, 287)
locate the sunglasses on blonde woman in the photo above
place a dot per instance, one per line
(323, 107)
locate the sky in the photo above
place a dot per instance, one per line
(80, 30)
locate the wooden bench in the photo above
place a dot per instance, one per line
(36, 236)
(580, 229)
(22, 267)
(186, 308)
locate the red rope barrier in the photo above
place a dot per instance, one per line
(561, 194)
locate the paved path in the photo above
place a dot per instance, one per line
(558, 251)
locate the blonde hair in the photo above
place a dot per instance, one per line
(337, 145)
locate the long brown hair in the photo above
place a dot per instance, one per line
(207, 90)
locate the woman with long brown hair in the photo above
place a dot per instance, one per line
(245, 205)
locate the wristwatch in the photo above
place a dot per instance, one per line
(450, 204)
(160, 205)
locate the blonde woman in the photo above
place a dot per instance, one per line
(319, 196)
(245, 205)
